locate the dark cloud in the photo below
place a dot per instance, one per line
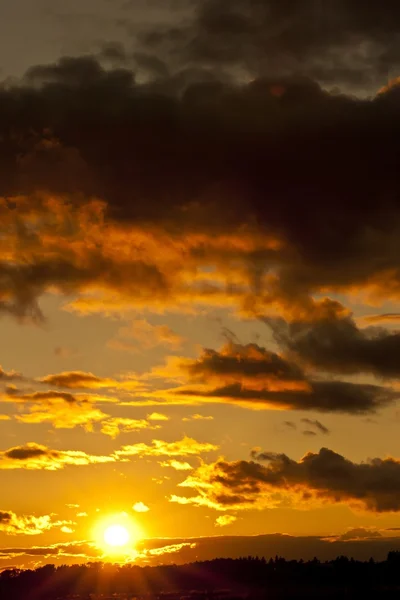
(250, 361)
(237, 177)
(316, 424)
(27, 452)
(324, 477)
(250, 374)
(9, 375)
(323, 396)
(337, 42)
(359, 533)
(5, 517)
(74, 549)
(337, 345)
(42, 397)
(76, 380)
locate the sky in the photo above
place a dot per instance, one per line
(199, 279)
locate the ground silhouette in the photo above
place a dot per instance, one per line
(247, 577)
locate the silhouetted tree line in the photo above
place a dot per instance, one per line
(250, 577)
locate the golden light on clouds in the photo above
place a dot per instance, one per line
(140, 507)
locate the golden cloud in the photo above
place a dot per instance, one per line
(13, 524)
(224, 520)
(33, 456)
(178, 465)
(318, 478)
(140, 507)
(114, 426)
(184, 447)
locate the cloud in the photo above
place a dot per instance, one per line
(184, 447)
(140, 507)
(317, 424)
(13, 524)
(33, 456)
(85, 550)
(252, 376)
(10, 375)
(255, 38)
(178, 465)
(155, 416)
(359, 533)
(64, 410)
(146, 335)
(114, 426)
(337, 345)
(63, 414)
(323, 477)
(198, 417)
(76, 380)
(381, 318)
(184, 551)
(225, 520)
(66, 529)
(250, 363)
(202, 233)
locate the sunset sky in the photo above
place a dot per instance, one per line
(199, 276)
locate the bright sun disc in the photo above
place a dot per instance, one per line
(116, 536)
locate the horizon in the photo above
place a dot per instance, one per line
(199, 279)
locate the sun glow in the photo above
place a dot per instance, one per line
(117, 534)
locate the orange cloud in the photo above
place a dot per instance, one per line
(225, 520)
(81, 380)
(76, 380)
(33, 456)
(114, 426)
(64, 415)
(155, 416)
(13, 524)
(177, 465)
(185, 447)
(198, 417)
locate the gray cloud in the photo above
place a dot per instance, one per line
(253, 375)
(318, 477)
(337, 345)
(335, 42)
(219, 151)
(316, 424)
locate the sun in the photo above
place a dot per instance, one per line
(116, 536)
